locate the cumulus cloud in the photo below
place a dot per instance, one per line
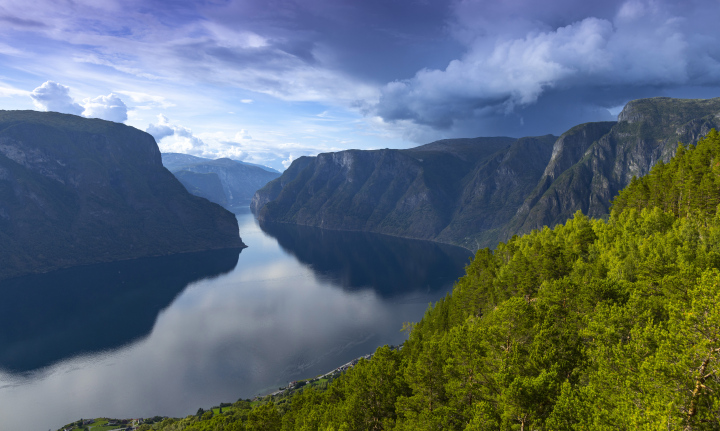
(184, 141)
(287, 162)
(243, 134)
(109, 107)
(51, 96)
(160, 130)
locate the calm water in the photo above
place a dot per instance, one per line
(165, 336)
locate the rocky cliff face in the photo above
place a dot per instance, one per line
(416, 193)
(75, 191)
(475, 193)
(238, 181)
(596, 160)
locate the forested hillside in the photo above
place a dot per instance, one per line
(600, 325)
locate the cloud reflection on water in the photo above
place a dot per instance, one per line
(270, 320)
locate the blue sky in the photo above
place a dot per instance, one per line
(267, 81)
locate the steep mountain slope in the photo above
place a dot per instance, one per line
(416, 193)
(495, 189)
(238, 180)
(589, 167)
(474, 194)
(75, 191)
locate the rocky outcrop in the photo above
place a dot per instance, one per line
(238, 181)
(75, 191)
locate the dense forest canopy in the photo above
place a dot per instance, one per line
(596, 324)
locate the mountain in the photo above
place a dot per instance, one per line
(76, 191)
(227, 182)
(411, 193)
(206, 186)
(592, 162)
(476, 192)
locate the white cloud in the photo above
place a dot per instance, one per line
(227, 37)
(109, 107)
(160, 130)
(243, 134)
(179, 139)
(246, 101)
(51, 96)
(10, 91)
(147, 101)
(271, 150)
(288, 161)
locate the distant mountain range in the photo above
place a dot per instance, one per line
(76, 191)
(230, 183)
(476, 192)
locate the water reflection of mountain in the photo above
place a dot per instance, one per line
(45, 318)
(389, 265)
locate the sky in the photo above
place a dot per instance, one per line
(268, 81)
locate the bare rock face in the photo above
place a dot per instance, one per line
(76, 191)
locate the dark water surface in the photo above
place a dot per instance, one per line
(164, 336)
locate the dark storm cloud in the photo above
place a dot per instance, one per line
(532, 68)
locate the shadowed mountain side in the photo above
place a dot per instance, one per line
(358, 260)
(53, 316)
(410, 193)
(75, 191)
(206, 186)
(440, 191)
(496, 189)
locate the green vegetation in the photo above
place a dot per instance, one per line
(593, 325)
(100, 424)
